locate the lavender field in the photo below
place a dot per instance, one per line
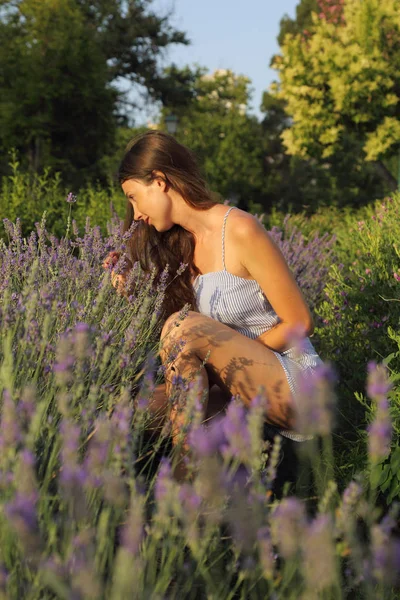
(89, 507)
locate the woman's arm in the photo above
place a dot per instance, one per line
(278, 338)
(265, 263)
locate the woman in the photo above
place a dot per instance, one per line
(244, 300)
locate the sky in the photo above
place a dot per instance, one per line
(227, 34)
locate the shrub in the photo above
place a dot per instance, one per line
(361, 303)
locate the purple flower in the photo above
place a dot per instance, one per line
(266, 553)
(380, 430)
(190, 500)
(379, 438)
(378, 384)
(385, 555)
(234, 426)
(23, 509)
(4, 577)
(316, 400)
(73, 475)
(288, 523)
(82, 328)
(347, 511)
(71, 199)
(10, 432)
(163, 479)
(319, 554)
(133, 531)
(206, 441)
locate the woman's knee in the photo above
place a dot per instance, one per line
(173, 322)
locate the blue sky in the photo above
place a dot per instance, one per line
(228, 34)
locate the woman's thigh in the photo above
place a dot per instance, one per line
(237, 364)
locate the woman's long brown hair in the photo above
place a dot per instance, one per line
(157, 151)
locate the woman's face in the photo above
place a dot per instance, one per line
(150, 202)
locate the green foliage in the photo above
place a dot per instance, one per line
(293, 183)
(341, 85)
(301, 22)
(216, 126)
(27, 196)
(58, 61)
(296, 183)
(360, 308)
(385, 475)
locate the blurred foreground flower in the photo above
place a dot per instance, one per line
(380, 430)
(288, 522)
(319, 560)
(316, 401)
(384, 564)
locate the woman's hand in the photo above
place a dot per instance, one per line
(117, 280)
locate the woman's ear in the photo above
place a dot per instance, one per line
(161, 180)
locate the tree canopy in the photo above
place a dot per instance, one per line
(59, 60)
(215, 123)
(341, 84)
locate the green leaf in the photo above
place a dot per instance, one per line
(389, 358)
(376, 472)
(395, 461)
(384, 475)
(388, 483)
(394, 492)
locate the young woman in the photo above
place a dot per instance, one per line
(244, 300)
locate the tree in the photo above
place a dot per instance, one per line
(342, 85)
(58, 62)
(215, 123)
(300, 23)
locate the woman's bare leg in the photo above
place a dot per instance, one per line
(158, 405)
(217, 402)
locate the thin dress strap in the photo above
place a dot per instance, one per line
(223, 236)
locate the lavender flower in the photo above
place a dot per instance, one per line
(133, 530)
(309, 260)
(81, 566)
(22, 512)
(380, 430)
(190, 500)
(121, 421)
(378, 384)
(73, 474)
(234, 427)
(316, 401)
(22, 509)
(348, 508)
(288, 523)
(319, 554)
(4, 577)
(148, 386)
(206, 441)
(64, 361)
(267, 556)
(97, 453)
(385, 549)
(273, 461)
(163, 480)
(10, 432)
(71, 199)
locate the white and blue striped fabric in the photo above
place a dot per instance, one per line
(241, 304)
